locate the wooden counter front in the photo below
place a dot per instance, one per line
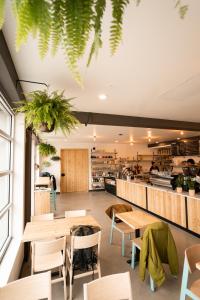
(170, 206)
(163, 202)
(133, 192)
(193, 207)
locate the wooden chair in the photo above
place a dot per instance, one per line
(122, 228)
(30, 288)
(162, 232)
(192, 256)
(137, 244)
(83, 242)
(44, 217)
(112, 287)
(48, 255)
(75, 213)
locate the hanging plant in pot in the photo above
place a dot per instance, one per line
(46, 149)
(55, 158)
(47, 111)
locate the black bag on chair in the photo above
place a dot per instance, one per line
(84, 259)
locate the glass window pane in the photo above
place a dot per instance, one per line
(5, 120)
(4, 154)
(4, 188)
(4, 232)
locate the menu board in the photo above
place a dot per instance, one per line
(184, 148)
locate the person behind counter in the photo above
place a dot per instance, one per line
(153, 167)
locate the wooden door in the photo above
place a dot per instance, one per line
(74, 167)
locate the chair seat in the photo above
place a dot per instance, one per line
(195, 287)
(123, 227)
(137, 242)
(47, 262)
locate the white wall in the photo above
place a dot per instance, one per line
(123, 150)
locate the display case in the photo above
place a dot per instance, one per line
(110, 184)
(102, 164)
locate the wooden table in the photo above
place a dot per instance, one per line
(40, 230)
(137, 219)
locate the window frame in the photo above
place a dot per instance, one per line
(8, 208)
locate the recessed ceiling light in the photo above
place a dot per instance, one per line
(182, 133)
(157, 142)
(149, 133)
(178, 138)
(102, 96)
(116, 141)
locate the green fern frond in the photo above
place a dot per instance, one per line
(44, 28)
(57, 19)
(2, 12)
(100, 6)
(182, 8)
(24, 21)
(118, 8)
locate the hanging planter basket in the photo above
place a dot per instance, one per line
(55, 158)
(44, 127)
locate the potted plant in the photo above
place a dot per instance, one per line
(46, 112)
(191, 186)
(46, 164)
(179, 183)
(55, 158)
(46, 149)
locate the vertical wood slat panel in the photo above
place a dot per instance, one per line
(193, 214)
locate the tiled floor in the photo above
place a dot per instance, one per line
(111, 259)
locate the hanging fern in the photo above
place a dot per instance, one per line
(69, 24)
(100, 6)
(118, 7)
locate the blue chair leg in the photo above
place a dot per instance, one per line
(111, 234)
(184, 280)
(123, 244)
(133, 256)
(152, 284)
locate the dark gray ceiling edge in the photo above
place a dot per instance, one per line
(8, 74)
(132, 121)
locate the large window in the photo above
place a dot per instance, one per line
(6, 174)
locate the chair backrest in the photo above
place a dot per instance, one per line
(44, 217)
(82, 242)
(42, 248)
(117, 208)
(30, 288)
(112, 287)
(75, 213)
(193, 256)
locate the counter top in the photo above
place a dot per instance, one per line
(164, 189)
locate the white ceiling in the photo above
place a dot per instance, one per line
(155, 73)
(110, 134)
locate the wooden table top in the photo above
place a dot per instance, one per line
(137, 219)
(40, 230)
